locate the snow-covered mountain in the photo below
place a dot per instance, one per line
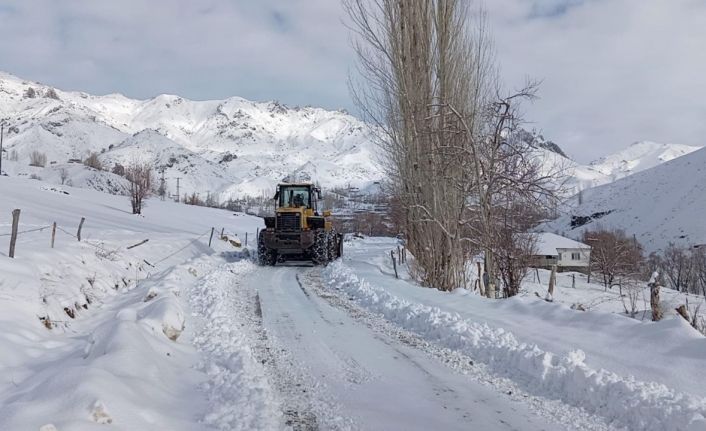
(638, 157)
(230, 147)
(663, 204)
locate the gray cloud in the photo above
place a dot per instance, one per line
(613, 71)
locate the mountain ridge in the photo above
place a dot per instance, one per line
(234, 147)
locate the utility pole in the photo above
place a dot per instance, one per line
(178, 195)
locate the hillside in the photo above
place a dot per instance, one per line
(659, 205)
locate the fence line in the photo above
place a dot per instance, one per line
(101, 244)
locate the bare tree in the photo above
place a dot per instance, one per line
(211, 200)
(92, 161)
(431, 86)
(63, 175)
(37, 159)
(613, 255)
(513, 253)
(193, 199)
(633, 291)
(139, 174)
(699, 268)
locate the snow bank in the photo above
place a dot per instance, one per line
(623, 400)
(120, 366)
(238, 391)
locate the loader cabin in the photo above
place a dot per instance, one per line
(297, 208)
(298, 196)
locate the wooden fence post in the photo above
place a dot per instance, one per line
(394, 262)
(211, 238)
(138, 244)
(53, 234)
(246, 239)
(552, 282)
(15, 224)
(80, 226)
(222, 231)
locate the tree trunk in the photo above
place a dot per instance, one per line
(490, 271)
(481, 285)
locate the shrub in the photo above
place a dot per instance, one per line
(119, 169)
(37, 159)
(51, 93)
(92, 161)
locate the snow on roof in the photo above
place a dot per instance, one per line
(548, 243)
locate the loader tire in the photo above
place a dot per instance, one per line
(332, 245)
(265, 256)
(319, 253)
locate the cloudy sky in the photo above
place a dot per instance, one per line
(612, 71)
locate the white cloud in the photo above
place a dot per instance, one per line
(204, 49)
(613, 71)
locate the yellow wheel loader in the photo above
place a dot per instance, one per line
(298, 230)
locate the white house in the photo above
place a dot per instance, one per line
(565, 253)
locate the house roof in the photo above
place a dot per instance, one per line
(548, 243)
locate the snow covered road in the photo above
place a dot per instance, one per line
(335, 372)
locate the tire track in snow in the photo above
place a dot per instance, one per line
(306, 404)
(570, 417)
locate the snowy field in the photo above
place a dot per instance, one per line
(176, 335)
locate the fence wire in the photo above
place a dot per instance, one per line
(27, 231)
(101, 246)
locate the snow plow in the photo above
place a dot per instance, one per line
(298, 230)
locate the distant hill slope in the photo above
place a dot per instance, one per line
(663, 204)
